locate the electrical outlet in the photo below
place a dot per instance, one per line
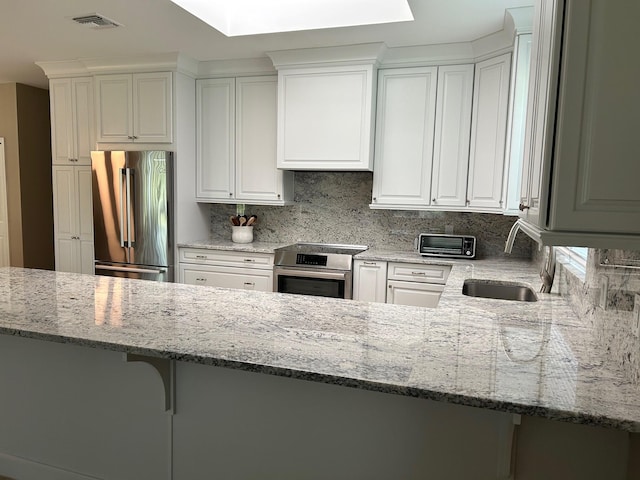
(635, 325)
(604, 290)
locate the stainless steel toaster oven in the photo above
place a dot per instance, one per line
(450, 246)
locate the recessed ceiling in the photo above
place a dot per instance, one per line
(37, 30)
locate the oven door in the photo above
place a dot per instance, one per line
(321, 283)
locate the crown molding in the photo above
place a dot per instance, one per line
(236, 67)
(122, 64)
(360, 54)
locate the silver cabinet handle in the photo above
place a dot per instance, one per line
(369, 263)
(203, 257)
(522, 207)
(249, 283)
(252, 260)
(201, 279)
(420, 274)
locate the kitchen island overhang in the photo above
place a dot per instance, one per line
(454, 353)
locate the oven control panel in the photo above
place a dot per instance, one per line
(310, 259)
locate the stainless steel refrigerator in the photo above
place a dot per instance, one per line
(132, 214)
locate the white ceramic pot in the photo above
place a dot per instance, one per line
(242, 234)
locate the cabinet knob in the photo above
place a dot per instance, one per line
(231, 194)
(278, 195)
(522, 207)
(134, 137)
(433, 200)
(375, 199)
(129, 137)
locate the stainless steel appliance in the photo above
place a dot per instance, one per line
(315, 269)
(453, 246)
(132, 198)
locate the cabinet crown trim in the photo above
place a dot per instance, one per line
(125, 64)
(363, 54)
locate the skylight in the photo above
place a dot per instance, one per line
(251, 17)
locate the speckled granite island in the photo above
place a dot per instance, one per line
(534, 359)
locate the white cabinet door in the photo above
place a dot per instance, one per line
(227, 277)
(596, 172)
(369, 281)
(135, 108)
(152, 107)
(61, 121)
(115, 108)
(413, 293)
(488, 133)
(215, 113)
(516, 129)
(65, 218)
(257, 178)
(452, 133)
(325, 118)
(73, 219)
(404, 137)
(72, 120)
(540, 123)
(83, 182)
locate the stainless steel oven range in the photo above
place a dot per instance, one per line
(319, 269)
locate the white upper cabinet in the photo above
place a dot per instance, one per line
(215, 113)
(135, 108)
(325, 118)
(452, 134)
(516, 128)
(580, 176)
(404, 137)
(236, 142)
(257, 176)
(72, 120)
(488, 133)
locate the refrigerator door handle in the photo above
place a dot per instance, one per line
(130, 269)
(121, 175)
(128, 173)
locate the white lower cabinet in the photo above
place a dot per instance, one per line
(370, 281)
(215, 268)
(73, 219)
(399, 283)
(414, 293)
(416, 284)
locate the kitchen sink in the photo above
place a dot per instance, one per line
(498, 289)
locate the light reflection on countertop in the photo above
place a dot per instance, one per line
(528, 358)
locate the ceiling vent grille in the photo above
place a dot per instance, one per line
(95, 20)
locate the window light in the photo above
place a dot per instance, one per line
(251, 17)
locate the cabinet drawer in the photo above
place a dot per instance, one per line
(228, 277)
(415, 294)
(225, 258)
(412, 272)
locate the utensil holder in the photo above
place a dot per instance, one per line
(242, 234)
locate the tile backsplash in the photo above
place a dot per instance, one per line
(333, 207)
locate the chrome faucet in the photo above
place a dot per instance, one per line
(512, 236)
(548, 271)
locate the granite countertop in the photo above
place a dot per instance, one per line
(228, 245)
(527, 358)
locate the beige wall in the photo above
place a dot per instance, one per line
(34, 135)
(9, 130)
(25, 124)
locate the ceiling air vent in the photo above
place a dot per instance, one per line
(95, 20)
